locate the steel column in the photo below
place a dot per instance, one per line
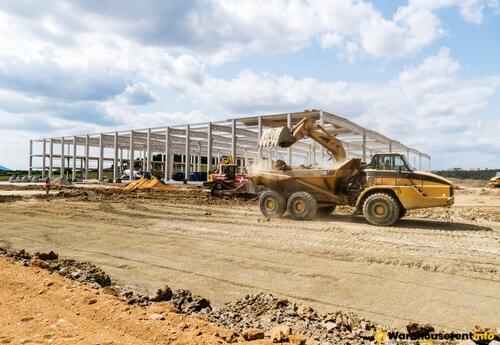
(87, 155)
(115, 158)
(30, 167)
(148, 152)
(61, 172)
(167, 155)
(188, 155)
(73, 172)
(233, 139)
(289, 124)
(132, 158)
(322, 149)
(51, 157)
(259, 135)
(364, 146)
(101, 158)
(209, 148)
(44, 147)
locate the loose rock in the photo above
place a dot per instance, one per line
(253, 334)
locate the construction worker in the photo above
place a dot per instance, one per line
(47, 185)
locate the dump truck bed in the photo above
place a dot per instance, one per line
(327, 184)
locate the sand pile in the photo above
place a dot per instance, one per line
(153, 183)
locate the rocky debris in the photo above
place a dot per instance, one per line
(253, 334)
(164, 294)
(72, 269)
(133, 298)
(185, 302)
(419, 330)
(266, 312)
(47, 256)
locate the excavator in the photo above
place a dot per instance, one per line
(382, 190)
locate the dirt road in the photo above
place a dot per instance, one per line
(42, 308)
(445, 272)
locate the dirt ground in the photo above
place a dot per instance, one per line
(439, 266)
(38, 307)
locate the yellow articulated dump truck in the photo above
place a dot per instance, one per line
(382, 190)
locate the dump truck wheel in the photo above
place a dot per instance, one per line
(302, 206)
(381, 209)
(326, 211)
(272, 204)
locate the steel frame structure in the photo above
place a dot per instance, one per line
(237, 136)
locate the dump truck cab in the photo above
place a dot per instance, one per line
(392, 174)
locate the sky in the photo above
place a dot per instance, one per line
(424, 72)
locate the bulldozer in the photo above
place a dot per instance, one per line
(382, 190)
(226, 179)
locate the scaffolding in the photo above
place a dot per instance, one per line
(198, 147)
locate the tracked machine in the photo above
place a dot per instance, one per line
(382, 190)
(227, 180)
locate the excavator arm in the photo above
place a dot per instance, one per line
(307, 127)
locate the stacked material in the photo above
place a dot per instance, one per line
(144, 183)
(60, 182)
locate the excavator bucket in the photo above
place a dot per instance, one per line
(274, 137)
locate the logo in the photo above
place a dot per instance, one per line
(380, 337)
(428, 338)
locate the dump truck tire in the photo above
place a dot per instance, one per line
(326, 211)
(381, 209)
(402, 212)
(302, 206)
(272, 204)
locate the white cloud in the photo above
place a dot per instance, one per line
(217, 31)
(138, 94)
(426, 105)
(471, 10)
(330, 39)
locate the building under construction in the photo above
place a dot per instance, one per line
(195, 148)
